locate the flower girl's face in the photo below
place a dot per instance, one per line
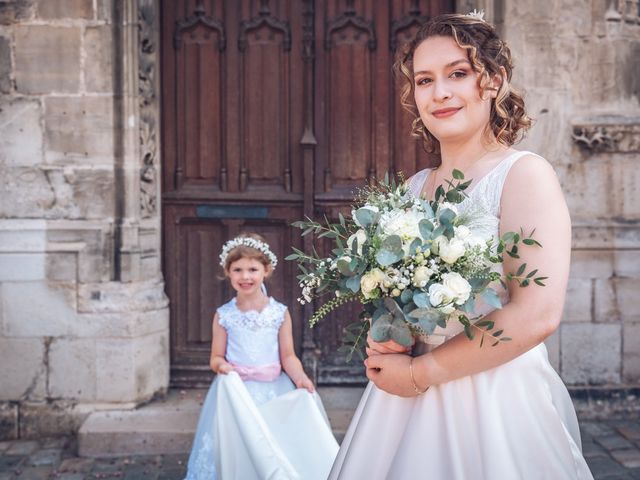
(446, 91)
(247, 275)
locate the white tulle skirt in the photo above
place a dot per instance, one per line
(515, 421)
(285, 438)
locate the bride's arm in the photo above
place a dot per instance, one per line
(531, 198)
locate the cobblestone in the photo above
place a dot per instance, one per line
(611, 448)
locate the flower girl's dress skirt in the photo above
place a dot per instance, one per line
(285, 438)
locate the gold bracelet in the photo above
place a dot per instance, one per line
(413, 380)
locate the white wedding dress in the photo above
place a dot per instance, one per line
(258, 430)
(515, 421)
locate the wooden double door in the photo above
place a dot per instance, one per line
(272, 110)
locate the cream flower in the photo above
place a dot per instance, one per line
(370, 281)
(439, 295)
(451, 250)
(401, 223)
(458, 285)
(421, 276)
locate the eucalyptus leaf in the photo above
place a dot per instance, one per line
(386, 257)
(421, 300)
(406, 295)
(491, 297)
(365, 216)
(426, 227)
(353, 284)
(344, 267)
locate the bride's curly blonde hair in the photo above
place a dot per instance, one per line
(487, 53)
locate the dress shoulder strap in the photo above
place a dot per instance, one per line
(416, 183)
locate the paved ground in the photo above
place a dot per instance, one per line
(612, 449)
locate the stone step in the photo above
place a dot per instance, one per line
(167, 425)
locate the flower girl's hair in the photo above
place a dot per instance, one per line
(487, 53)
(247, 245)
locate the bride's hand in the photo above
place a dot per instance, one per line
(391, 373)
(375, 348)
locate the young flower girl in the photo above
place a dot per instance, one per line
(254, 423)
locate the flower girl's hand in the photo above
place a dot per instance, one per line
(375, 348)
(391, 374)
(305, 383)
(225, 368)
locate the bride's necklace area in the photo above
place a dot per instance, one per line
(429, 189)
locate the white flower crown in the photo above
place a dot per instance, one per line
(477, 14)
(247, 242)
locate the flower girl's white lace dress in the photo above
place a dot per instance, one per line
(258, 429)
(513, 422)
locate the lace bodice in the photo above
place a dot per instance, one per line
(483, 207)
(252, 336)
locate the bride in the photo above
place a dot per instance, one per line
(454, 410)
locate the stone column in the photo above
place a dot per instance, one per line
(83, 314)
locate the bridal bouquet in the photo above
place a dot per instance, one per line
(413, 265)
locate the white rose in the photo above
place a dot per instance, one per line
(437, 242)
(361, 236)
(451, 251)
(440, 295)
(462, 232)
(421, 276)
(369, 282)
(401, 223)
(458, 285)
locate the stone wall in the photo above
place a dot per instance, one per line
(579, 61)
(83, 315)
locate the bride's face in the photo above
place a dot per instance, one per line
(446, 91)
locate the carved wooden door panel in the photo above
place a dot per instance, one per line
(232, 122)
(271, 110)
(362, 130)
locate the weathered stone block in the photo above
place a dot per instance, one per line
(61, 267)
(98, 74)
(29, 192)
(22, 368)
(628, 299)
(590, 353)
(577, 306)
(605, 301)
(8, 421)
(79, 129)
(631, 353)
(132, 370)
(5, 65)
(22, 235)
(47, 59)
(36, 309)
(15, 10)
(93, 192)
(592, 263)
(54, 9)
(22, 139)
(77, 356)
(39, 420)
(122, 325)
(115, 297)
(104, 10)
(22, 267)
(627, 263)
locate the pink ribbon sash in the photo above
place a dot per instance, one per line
(260, 373)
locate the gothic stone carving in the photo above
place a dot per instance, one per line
(609, 138)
